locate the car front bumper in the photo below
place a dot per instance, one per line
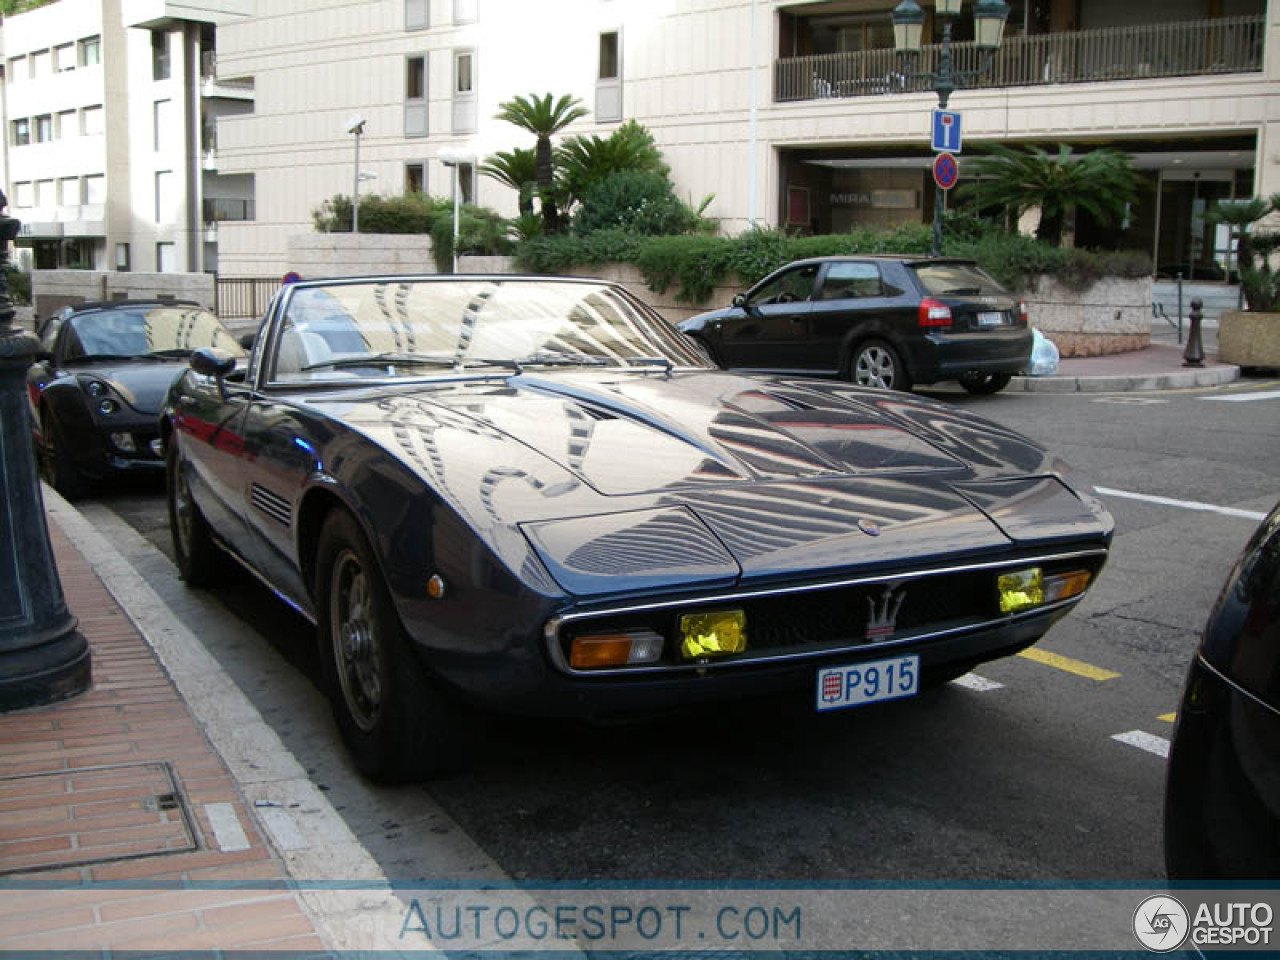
(1222, 797)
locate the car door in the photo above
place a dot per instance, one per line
(853, 301)
(771, 330)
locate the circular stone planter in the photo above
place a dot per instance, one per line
(1249, 339)
(1113, 315)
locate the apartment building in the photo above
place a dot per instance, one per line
(110, 108)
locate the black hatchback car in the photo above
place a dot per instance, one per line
(880, 321)
(1222, 801)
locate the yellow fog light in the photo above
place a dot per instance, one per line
(621, 649)
(712, 634)
(1020, 590)
(1064, 586)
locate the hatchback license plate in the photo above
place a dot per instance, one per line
(990, 319)
(840, 687)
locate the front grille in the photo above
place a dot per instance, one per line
(806, 622)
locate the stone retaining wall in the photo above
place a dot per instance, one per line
(1112, 316)
(51, 290)
(316, 255)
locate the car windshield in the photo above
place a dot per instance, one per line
(957, 280)
(150, 332)
(415, 327)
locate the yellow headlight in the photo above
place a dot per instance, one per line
(712, 634)
(1020, 590)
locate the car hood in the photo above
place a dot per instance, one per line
(142, 384)
(626, 481)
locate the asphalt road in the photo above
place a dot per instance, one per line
(1020, 779)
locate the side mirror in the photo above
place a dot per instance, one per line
(212, 362)
(247, 340)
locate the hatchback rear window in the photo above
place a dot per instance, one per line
(957, 280)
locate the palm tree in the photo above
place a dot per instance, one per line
(1260, 283)
(1101, 182)
(583, 161)
(518, 169)
(543, 117)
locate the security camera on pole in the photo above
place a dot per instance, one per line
(355, 126)
(908, 26)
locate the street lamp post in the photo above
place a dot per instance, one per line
(455, 157)
(908, 28)
(355, 126)
(43, 657)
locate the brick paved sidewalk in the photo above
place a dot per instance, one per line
(120, 784)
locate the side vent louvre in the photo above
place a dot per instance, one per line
(273, 505)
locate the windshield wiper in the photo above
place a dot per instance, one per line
(408, 359)
(169, 354)
(112, 357)
(557, 358)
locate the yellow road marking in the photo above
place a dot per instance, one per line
(1168, 717)
(1078, 667)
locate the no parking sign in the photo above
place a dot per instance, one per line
(946, 171)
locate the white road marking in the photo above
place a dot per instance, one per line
(283, 828)
(1129, 401)
(1145, 741)
(1184, 504)
(226, 827)
(1246, 397)
(971, 681)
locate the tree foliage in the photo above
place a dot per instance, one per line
(518, 169)
(583, 161)
(543, 117)
(1101, 181)
(642, 202)
(1255, 252)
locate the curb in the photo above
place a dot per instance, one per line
(1214, 376)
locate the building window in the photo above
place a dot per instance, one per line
(64, 58)
(417, 14)
(69, 191)
(159, 55)
(90, 51)
(41, 64)
(161, 114)
(95, 189)
(464, 91)
(19, 70)
(415, 178)
(122, 257)
(466, 11)
(91, 121)
(66, 125)
(21, 132)
(609, 78)
(166, 258)
(23, 195)
(415, 96)
(45, 196)
(44, 128)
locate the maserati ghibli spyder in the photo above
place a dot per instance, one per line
(534, 496)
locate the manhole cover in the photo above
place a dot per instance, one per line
(93, 815)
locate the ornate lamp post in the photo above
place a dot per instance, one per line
(908, 27)
(43, 657)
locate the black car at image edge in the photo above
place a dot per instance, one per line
(1222, 800)
(880, 321)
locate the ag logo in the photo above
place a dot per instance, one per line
(1160, 923)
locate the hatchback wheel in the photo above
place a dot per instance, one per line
(876, 364)
(981, 383)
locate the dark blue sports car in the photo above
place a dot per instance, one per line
(534, 495)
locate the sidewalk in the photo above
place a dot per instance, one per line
(121, 828)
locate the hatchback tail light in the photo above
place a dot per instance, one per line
(933, 314)
(1022, 312)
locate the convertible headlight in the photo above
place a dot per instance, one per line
(1024, 589)
(95, 388)
(712, 634)
(107, 406)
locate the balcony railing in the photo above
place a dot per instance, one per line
(1192, 48)
(217, 208)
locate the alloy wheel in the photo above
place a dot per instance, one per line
(355, 641)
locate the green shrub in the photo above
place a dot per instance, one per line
(638, 201)
(560, 254)
(19, 285)
(1016, 261)
(481, 232)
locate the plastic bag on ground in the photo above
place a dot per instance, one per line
(1044, 356)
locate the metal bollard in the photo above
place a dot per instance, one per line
(1193, 355)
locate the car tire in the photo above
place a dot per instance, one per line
(200, 560)
(56, 466)
(985, 383)
(398, 726)
(876, 364)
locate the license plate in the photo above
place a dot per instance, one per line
(840, 687)
(991, 319)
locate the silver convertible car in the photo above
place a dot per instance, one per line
(535, 496)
